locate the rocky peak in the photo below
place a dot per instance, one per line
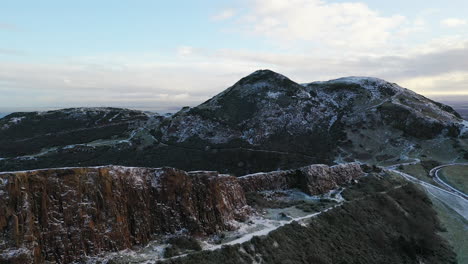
(262, 76)
(258, 86)
(264, 114)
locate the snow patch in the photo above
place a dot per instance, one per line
(332, 121)
(273, 95)
(464, 129)
(155, 179)
(15, 252)
(16, 120)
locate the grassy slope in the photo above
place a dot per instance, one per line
(397, 226)
(456, 176)
(456, 229)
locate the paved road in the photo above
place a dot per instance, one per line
(434, 173)
(455, 201)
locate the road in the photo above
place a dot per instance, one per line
(434, 173)
(455, 200)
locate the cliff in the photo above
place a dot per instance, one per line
(60, 215)
(313, 179)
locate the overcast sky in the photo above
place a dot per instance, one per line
(167, 54)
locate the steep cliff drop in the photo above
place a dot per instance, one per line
(61, 215)
(65, 214)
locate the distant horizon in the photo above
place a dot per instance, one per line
(451, 100)
(174, 106)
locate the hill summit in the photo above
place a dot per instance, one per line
(263, 122)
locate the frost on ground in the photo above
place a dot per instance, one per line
(259, 224)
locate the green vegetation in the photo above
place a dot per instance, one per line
(405, 120)
(180, 245)
(372, 184)
(339, 86)
(185, 158)
(446, 108)
(315, 206)
(456, 176)
(233, 109)
(36, 131)
(396, 226)
(420, 171)
(455, 227)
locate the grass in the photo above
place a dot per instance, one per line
(418, 171)
(396, 226)
(456, 229)
(456, 176)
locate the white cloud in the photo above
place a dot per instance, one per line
(454, 82)
(340, 25)
(168, 85)
(185, 51)
(454, 22)
(224, 14)
(323, 40)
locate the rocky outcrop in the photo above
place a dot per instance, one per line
(322, 178)
(313, 179)
(60, 215)
(266, 181)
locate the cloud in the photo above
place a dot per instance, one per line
(454, 22)
(454, 82)
(426, 72)
(185, 51)
(351, 25)
(323, 41)
(224, 15)
(162, 86)
(168, 85)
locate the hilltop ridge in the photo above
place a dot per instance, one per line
(263, 122)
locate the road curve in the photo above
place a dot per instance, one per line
(434, 173)
(453, 200)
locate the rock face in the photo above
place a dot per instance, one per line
(59, 215)
(313, 179)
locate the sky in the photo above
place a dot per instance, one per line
(167, 54)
